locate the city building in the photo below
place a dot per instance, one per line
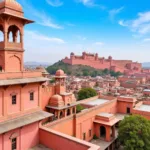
(35, 114)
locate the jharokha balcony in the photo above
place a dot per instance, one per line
(11, 45)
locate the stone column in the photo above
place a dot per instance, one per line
(108, 134)
(65, 113)
(6, 38)
(71, 110)
(21, 40)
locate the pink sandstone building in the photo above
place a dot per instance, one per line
(36, 115)
(93, 60)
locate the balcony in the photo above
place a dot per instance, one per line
(23, 74)
(10, 45)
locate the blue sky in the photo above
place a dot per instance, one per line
(120, 28)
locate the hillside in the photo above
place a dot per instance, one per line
(80, 70)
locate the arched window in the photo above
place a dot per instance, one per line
(14, 34)
(68, 112)
(10, 37)
(61, 114)
(1, 34)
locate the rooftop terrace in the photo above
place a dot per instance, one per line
(144, 108)
(97, 102)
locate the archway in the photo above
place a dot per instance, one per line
(61, 114)
(68, 112)
(1, 34)
(14, 64)
(14, 34)
(102, 131)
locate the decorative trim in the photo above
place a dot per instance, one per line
(13, 93)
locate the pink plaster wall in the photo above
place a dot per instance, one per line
(7, 141)
(84, 120)
(30, 136)
(23, 105)
(26, 96)
(1, 104)
(58, 141)
(1, 142)
(122, 106)
(27, 137)
(47, 93)
(65, 125)
(11, 109)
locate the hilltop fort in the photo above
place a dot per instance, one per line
(93, 60)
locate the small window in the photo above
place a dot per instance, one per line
(14, 97)
(90, 133)
(84, 136)
(31, 96)
(14, 144)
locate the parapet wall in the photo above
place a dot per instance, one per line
(59, 141)
(64, 125)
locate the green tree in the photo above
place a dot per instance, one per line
(52, 80)
(134, 133)
(86, 93)
(79, 108)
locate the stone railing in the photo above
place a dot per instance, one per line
(50, 138)
(23, 74)
(12, 45)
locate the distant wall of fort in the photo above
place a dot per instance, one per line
(96, 62)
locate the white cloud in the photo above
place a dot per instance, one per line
(140, 25)
(122, 23)
(90, 3)
(114, 12)
(54, 3)
(147, 40)
(99, 43)
(87, 2)
(37, 36)
(41, 17)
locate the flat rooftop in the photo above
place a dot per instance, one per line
(97, 102)
(144, 108)
(40, 147)
(104, 144)
(23, 120)
(103, 114)
(147, 90)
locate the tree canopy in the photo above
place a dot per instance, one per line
(134, 133)
(86, 93)
(80, 70)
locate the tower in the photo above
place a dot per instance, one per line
(12, 24)
(60, 77)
